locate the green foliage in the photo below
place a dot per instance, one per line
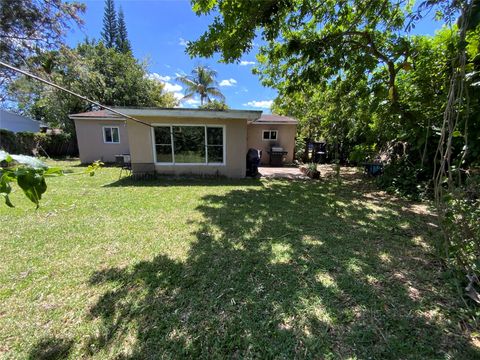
(300, 146)
(52, 144)
(361, 153)
(94, 167)
(462, 221)
(403, 178)
(214, 105)
(309, 42)
(122, 43)
(27, 25)
(350, 74)
(93, 70)
(8, 141)
(28, 172)
(312, 167)
(109, 30)
(202, 83)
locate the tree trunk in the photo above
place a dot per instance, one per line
(392, 89)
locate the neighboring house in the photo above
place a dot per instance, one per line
(183, 141)
(17, 123)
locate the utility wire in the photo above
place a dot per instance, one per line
(72, 93)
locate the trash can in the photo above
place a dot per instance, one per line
(253, 160)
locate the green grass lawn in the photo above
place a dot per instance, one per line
(174, 268)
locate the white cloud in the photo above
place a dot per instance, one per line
(193, 102)
(178, 95)
(228, 82)
(158, 77)
(182, 42)
(188, 103)
(246, 63)
(167, 84)
(262, 104)
(172, 87)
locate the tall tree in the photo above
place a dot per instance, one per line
(110, 30)
(307, 40)
(93, 70)
(122, 42)
(202, 83)
(29, 25)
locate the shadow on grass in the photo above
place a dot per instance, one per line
(164, 180)
(286, 270)
(51, 349)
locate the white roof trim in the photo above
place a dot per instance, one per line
(73, 117)
(193, 113)
(273, 123)
(249, 115)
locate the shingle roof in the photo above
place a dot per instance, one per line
(275, 119)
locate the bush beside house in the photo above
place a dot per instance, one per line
(54, 144)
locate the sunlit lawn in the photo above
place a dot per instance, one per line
(218, 268)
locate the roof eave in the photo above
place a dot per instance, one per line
(250, 115)
(274, 123)
(73, 117)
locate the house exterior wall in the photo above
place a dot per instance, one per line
(286, 140)
(91, 145)
(142, 156)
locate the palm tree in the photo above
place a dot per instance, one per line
(202, 82)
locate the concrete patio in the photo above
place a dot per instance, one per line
(293, 173)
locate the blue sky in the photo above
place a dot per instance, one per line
(158, 30)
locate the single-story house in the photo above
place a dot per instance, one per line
(17, 123)
(183, 141)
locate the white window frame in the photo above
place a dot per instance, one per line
(270, 135)
(111, 127)
(206, 163)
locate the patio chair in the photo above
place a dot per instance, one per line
(124, 162)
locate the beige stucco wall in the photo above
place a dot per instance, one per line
(141, 147)
(90, 140)
(286, 140)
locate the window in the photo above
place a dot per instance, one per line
(270, 134)
(111, 135)
(215, 144)
(189, 144)
(163, 144)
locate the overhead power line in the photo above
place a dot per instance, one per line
(26, 73)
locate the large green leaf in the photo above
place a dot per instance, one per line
(53, 171)
(4, 156)
(5, 187)
(32, 183)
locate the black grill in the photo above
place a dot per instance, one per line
(277, 155)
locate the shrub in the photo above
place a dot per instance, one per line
(24, 142)
(463, 226)
(403, 178)
(8, 141)
(361, 153)
(300, 145)
(312, 171)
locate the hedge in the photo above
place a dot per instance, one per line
(29, 143)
